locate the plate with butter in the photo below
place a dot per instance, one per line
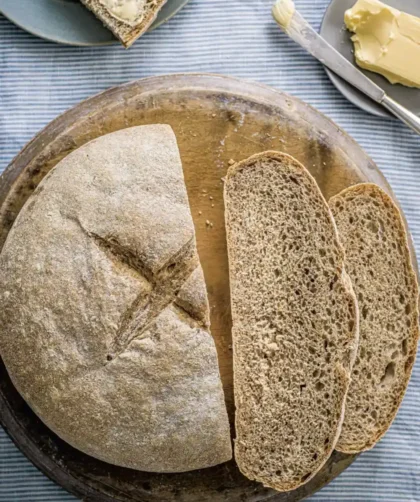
(72, 23)
(383, 40)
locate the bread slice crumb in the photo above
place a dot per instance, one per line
(379, 264)
(295, 320)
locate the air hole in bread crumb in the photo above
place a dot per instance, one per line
(404, 347)
(389, 374)
(394, 355)
(408, 309)
(365, 311)
(109, 357)
(319, 386)
(305, 477)
(277, 272)
(373, 227)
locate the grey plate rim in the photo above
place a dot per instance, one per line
(351, 94)
(160, 19)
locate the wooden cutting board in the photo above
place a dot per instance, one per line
(216, 120)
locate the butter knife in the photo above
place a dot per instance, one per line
(299, 30)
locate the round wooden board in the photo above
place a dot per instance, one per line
(215, 119)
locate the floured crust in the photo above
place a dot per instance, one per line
(104, 318)
(291, 365)
(379, 263)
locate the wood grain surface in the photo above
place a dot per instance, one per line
(216, 120)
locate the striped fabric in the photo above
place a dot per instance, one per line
(39, 80)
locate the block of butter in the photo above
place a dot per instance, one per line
(386, 41)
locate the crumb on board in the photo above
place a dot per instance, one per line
(231, 162)
(212, 205)
(200, 213)
(211, 198)
(213, 115)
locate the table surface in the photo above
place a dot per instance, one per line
(39, 80)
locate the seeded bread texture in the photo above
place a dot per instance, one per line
(127, 33)
(378, 262)
(295, 320)
(104, 318)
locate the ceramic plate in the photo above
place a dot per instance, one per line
(68, 21)
(334, 31)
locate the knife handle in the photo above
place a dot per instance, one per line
(409, 118)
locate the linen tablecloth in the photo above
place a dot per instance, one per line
(39, 80)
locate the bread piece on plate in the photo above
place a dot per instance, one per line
(295, 322)
(127, 19)
(104, 318)
(378, 262)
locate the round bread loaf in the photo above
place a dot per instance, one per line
(104, 318)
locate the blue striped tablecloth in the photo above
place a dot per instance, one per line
(39, 80)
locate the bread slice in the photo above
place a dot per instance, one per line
(104, 317)
(378, 262)
(127, 19)
(294, 320)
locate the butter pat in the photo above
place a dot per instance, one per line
(386, 41)
(128, 11)
(283, 11)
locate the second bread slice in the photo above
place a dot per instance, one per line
(379, 264)
(294, 320)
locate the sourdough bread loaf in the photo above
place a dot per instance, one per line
(127, 19)
(104, 318)
(378, 262)
(295, 322)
